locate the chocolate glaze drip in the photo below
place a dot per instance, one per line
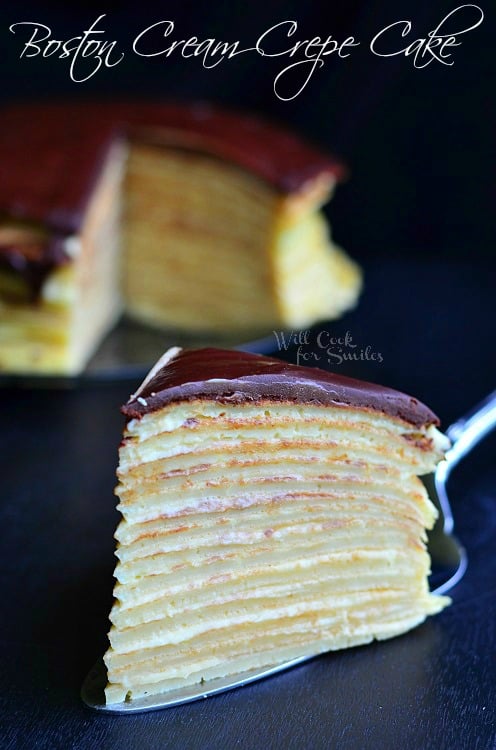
(34, 261)
(237, 377)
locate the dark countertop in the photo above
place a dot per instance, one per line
(433, 323)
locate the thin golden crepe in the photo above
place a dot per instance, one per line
(269, 512)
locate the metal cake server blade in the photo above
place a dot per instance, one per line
(94, 685)
(448, 559)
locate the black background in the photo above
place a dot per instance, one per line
(418, 212)
(420, 143)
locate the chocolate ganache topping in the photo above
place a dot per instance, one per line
(238, 377)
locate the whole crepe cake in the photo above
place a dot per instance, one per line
(269, 512)
(186, 216)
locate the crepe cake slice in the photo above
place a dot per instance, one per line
(269, 512)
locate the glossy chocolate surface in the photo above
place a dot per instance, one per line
(238, 377)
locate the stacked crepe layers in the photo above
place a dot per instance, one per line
(226, 239)
(255, 533)
(78, 301)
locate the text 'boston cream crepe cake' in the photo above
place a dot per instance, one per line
(186, 216)
(270, 511)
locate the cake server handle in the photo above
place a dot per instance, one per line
(464, 434)
(448, 556)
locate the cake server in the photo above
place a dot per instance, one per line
(448, 558)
